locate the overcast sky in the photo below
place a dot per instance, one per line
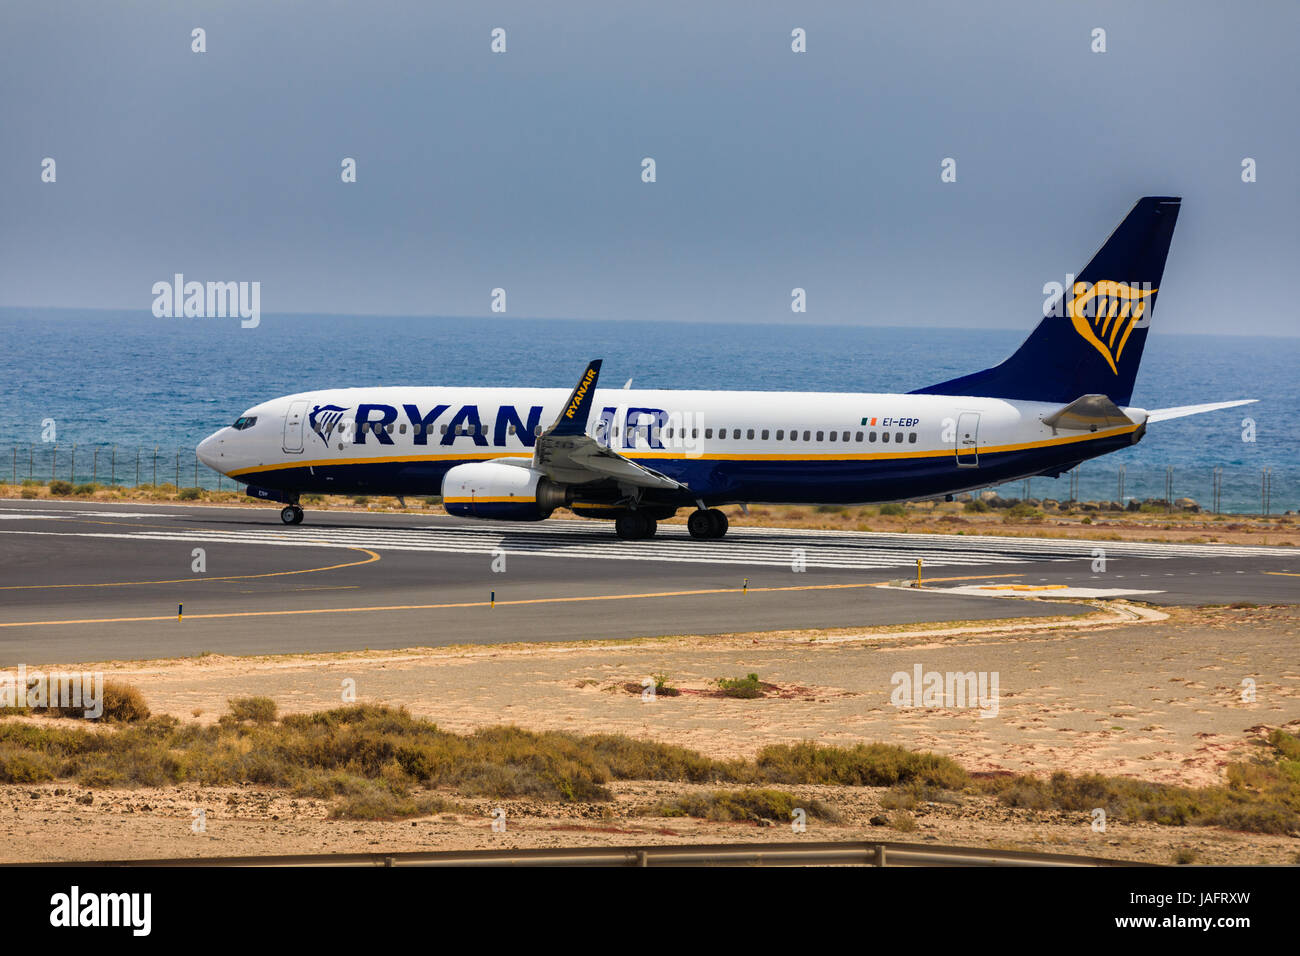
(522, 170)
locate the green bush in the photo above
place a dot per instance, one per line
(753, 805)
(60, 488)
(747, 687)
(89, 488)
(893, 509)
(260, 710)
(190, 494)
(977, 505)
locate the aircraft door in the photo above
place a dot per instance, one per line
(968, 426)
(293, 423)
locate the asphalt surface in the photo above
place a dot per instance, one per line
(83, 581)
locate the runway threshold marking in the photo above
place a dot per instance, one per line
(439, 607)
(198, 579)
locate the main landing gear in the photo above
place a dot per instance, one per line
(707, 524)
(291, 514)
(634, 526)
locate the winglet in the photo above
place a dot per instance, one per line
(573, 417)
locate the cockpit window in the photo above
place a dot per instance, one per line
(244, 421)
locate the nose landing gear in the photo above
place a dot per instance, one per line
(710, 523)
(291, 514)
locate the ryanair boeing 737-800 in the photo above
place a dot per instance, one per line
(638, 456)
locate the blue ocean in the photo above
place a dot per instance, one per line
(123, 387)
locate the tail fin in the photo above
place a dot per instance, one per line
(1091, 341)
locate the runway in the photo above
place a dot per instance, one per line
(92, 581)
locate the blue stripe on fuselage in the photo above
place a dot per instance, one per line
(818, 481)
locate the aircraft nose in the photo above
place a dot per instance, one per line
(209, 450)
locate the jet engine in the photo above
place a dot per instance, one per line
(487, 489)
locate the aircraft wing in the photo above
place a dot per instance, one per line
(565, 453)
(1180, 411)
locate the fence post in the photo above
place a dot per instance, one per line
(178, 467)
(94, 466)
(72, 468)
(112, 475)
(155, 466)
(1121, 484)
(137, 466)
(54, 460)
(31, 460)
(1169, 488)
(196, 469)
(15, 464)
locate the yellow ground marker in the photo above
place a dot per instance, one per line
(1024, 587)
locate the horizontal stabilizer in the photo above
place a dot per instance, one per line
(1087, 414)
(1182, 411)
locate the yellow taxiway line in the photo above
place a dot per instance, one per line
(462, 604)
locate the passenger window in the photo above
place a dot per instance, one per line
(794, 436)
(510, 429)
(819, 436)
(807, 436)
(537, 430)
(764, 434)
(884, 436)
(401, 430)
(444, 430)
(859, 436)
(708, 433)
(695, 433)
(834, 435)
(750, 433)
(911, 439)
(780, 434)
(871, 437)
(898, 437)
(668, 432)
(735, 433)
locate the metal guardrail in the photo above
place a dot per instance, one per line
(838, 853)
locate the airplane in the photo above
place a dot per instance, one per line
(638, 456)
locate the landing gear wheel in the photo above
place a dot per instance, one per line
(291, 514)
(707, 524)
(634, 525)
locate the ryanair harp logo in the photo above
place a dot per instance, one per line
(1106, 313)
(324, 419)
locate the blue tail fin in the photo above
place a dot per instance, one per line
(1090, 342)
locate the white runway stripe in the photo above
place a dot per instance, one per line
(742, 546)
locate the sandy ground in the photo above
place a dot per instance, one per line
(1159, 700)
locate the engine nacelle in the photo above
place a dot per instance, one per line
(487, 489)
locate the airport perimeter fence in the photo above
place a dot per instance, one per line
(1231, 489)
(122, 466)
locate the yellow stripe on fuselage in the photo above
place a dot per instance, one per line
(487, 501)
